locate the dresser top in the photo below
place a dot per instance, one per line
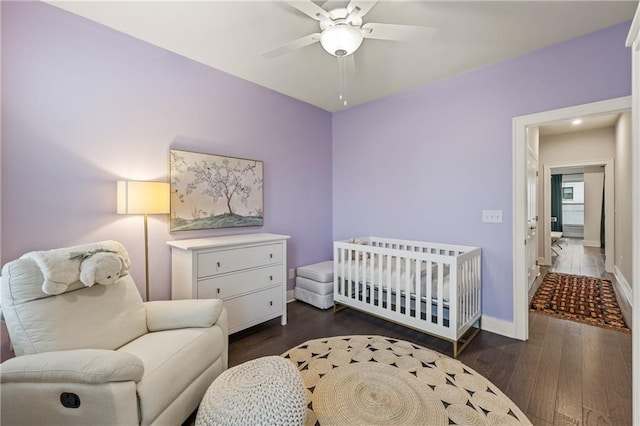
(227, 240)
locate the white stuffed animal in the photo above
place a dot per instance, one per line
(101, 268)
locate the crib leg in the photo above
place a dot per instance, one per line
(338, 307)
(465, 340)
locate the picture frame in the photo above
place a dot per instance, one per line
(211, 191)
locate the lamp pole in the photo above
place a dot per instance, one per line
(146, 259)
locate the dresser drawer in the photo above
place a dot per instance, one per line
(254, 308)
(247, 271)
(226, 286)
(220, 262)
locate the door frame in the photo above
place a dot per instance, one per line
(609, 208)
(519, 208)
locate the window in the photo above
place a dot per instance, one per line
(573, 202)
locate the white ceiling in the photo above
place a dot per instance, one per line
(231, 35)
(588, 123)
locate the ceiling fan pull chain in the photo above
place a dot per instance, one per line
(342, 80)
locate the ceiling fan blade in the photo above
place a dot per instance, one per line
(309, 9)
(333, 4)
(359, 8)
(292, 45)
(397, 32)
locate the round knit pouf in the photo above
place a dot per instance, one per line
(264, 391)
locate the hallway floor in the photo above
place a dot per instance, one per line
(574, 258)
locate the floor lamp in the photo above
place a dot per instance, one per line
(145, 198)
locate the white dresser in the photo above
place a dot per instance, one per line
(248, 272)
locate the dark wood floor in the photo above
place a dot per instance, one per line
(565, 374)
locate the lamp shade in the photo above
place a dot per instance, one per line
(341, 40)
(135, 197)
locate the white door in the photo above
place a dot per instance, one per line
(532, 218)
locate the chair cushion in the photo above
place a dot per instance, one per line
(314, 286)
(172, 359)
(321, 272)
(84, 318)
(322, 302)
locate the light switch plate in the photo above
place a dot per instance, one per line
(492, 216)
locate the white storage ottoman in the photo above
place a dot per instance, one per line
(314, 284)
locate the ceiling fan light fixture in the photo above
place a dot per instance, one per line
(341, 40)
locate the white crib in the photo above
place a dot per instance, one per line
(434, 288)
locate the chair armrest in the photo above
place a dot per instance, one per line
(172, 314)
(91, 366)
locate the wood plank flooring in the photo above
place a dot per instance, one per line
(565, 374)
(574, 258)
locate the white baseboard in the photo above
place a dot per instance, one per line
(290, 296)
(591, 243)
(624, 287)
(498, 326)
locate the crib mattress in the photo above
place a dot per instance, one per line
(372, 279)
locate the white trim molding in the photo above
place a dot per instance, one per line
(624, 287)
(633, 41)
(290, 296)
(498, 326)
(519, 168)
(591, 243)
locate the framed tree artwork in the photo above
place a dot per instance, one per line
(213, 191)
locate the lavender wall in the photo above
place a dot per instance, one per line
(424, 164)
(84, 106)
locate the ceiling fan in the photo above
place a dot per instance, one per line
(342, 30)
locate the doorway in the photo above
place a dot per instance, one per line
(592, 169)
(520, 191)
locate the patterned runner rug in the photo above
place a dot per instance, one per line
(374, 380)
(589, 300)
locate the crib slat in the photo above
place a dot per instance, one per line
(349, 274)
(429, 291)
(407, 286)
(418, 284)
(397, 282)
(372, 279)
(341, 263)
(388, 282)
(454, 294)
(440, 309)
(366, 281)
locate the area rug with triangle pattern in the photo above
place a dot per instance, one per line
(589, 300)
(377, 380)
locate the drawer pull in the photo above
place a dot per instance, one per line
(270, 255)
(270, 277)
(270, 302)
(218, 291)
(218, 263)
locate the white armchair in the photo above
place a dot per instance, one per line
(99, 355)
